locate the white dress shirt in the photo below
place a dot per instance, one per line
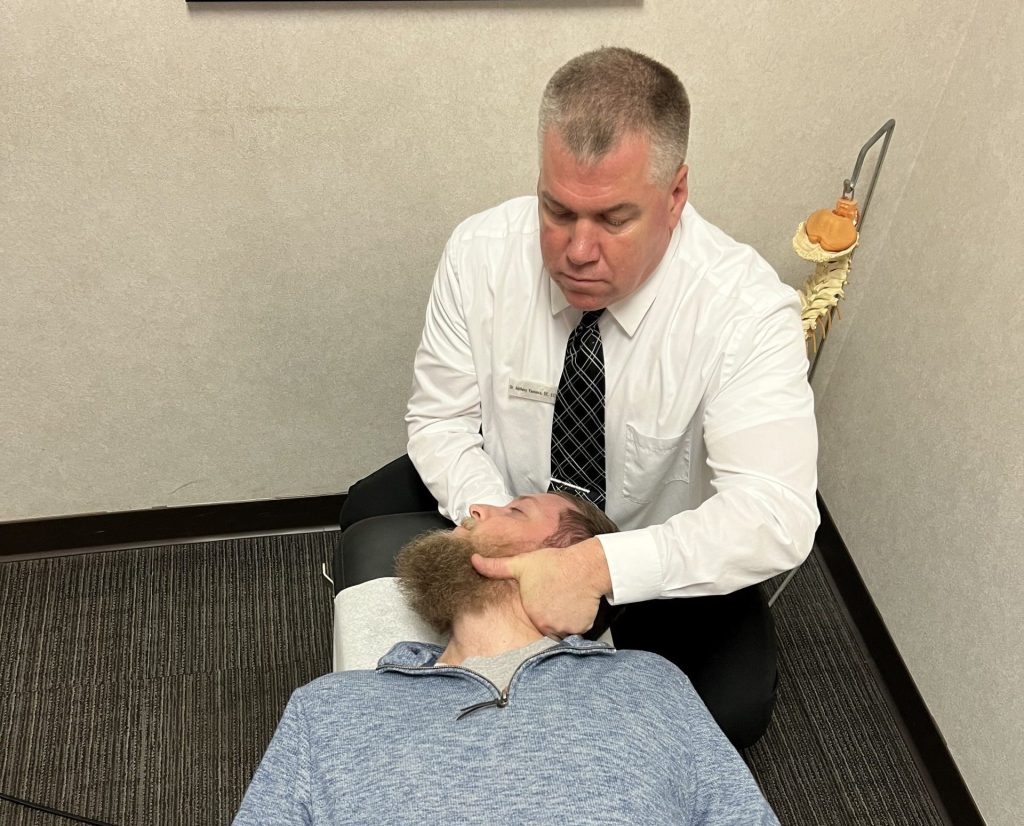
(710, 439)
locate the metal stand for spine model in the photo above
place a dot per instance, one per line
(828, 238)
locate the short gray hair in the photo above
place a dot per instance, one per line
(596, 99)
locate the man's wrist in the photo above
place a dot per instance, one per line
(593, 566)
(634, 565)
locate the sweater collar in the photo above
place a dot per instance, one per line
(422, 654)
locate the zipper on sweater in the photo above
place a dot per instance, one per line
(503, 695)
(498, 702)
(502, 699)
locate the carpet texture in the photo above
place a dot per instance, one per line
(833, 753)
(141, 687)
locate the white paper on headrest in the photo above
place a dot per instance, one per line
(369, 619)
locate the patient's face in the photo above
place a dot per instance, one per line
(434, 570)
(520, 526)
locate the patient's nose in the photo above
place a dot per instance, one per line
(481, 512)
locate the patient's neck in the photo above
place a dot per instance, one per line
(494, 629)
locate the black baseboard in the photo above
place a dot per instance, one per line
(932, 752)
(166, 525)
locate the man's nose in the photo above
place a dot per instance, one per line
(481, 512)
(583, 245)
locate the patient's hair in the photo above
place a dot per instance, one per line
(596, 99)
(579, 522)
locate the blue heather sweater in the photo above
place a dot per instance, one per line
(584, 735)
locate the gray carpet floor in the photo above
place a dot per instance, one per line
(140, 687)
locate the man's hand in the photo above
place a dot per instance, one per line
(561, 588)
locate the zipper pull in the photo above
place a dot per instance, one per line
(500, 702)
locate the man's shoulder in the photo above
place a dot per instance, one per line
(515, 218)
(645, 687)
(636, 668)
(402, 655)
(651, 665)
(338, 682)
(337, 695)
(727, 267)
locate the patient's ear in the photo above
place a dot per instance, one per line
(568, 533)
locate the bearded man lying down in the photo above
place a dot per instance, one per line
(502, 725)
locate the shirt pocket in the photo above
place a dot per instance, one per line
(651, 462)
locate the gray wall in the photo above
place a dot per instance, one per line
(922, 461)
(218, 226)
(220, 222)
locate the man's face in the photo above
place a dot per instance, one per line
(604, 228)
(520, 526)
(434, 570)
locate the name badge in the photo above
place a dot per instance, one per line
(533, 390)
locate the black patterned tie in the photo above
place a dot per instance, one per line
(577, 429)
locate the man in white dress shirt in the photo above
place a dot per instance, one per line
(709, 440)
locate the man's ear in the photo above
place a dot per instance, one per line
(559, 539)
(678, 194)
(565, 536)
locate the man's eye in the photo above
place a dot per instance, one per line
(615, 222)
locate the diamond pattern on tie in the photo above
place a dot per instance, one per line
(577, 429)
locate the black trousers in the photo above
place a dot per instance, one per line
(724, 644)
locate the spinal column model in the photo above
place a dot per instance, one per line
(827, 238)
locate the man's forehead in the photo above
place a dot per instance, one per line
(612, 204)
(546, 502)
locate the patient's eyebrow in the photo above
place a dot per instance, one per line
(529, 499)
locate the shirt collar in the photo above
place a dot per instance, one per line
(630, 311)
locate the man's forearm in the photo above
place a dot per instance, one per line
(761, 521)
(443, 418)
(456, 470)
